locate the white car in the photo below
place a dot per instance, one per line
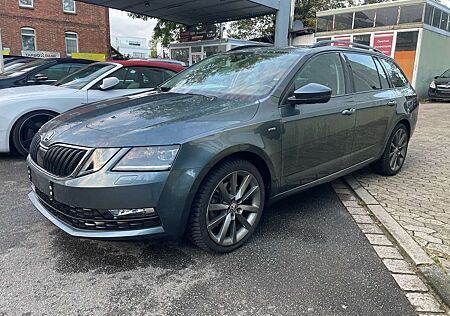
(23, 110)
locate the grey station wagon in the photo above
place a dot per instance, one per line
(203, 154)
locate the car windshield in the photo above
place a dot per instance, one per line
(81, 78)
(446, 74)
(237, 75)
(25, 68)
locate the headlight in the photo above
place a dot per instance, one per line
(97, 160)
(433, 85)
(148, 159)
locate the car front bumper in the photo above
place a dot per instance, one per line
(439, 94)
(70, 203)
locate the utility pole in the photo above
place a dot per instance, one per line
(2, 66)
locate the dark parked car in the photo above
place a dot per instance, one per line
(41, 71)
(440, 87)
(205, 154)
(12, 58)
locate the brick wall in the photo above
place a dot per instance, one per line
(50, 22)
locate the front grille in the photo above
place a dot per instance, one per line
(58, 160)
(62, 161)
(92, 219)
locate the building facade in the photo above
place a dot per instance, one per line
(54, 28)
(416, 33)
(132, 47)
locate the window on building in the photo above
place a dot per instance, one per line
(362, 39)
(324, 69)
(444, 21)
(69, 6)
(411, 14)
(325, 23)
(395, 75)
(71, 43)
(26, 3)
(365, 73)
(364, 19)
(28, 39)
(429, 10)
(437, 17)
(387, 16)
(343, 21)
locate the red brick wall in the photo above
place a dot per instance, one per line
(90, 22)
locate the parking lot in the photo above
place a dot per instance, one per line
(307, 257)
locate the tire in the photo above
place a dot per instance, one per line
(215, 205)
(26, 127)
(394, 155)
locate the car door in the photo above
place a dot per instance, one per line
(317, 138)
(131, 80)
(374, 101)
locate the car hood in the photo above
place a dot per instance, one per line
(33, 93)
(147, 119)
(442, 80)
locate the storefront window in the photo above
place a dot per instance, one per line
(28, 39)
(387, 16)
(196, 49)
(212, 50)
(362, 39)
(437, 17)
(411, 14)
(405, 51)
(343, 21)
(364, 19)
(180, 54)
(325, 23)
(429, 14)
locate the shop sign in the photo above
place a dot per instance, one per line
(344, 38)
(89, 56)
(384, 42)
(199, 33)
(40, 54)
(6, 51)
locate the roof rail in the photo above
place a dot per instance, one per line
(350, 44)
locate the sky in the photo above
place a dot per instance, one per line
(123, 25)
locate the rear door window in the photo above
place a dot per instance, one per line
(394, 74)
(365, 72)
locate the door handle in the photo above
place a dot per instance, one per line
(349, 111)
(392, 103)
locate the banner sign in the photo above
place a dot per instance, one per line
(40, 54)
(89, 56)
(6, 51)
(343, 38)
(199, 33)
(384, 42)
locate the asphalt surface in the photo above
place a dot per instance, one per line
(307, 257)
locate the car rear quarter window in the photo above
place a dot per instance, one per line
(325, 69)
(383, 75)
(365, 73)
(394, 74)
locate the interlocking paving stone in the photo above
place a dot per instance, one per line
(419, 196)
(379, 240)
(385, 252)
(410, 282)
(398, 266)
(428, 238)
(424, 302)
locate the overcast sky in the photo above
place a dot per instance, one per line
(123, 25)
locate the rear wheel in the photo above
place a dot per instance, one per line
(394, 155)
(26, 127)
(227, 207)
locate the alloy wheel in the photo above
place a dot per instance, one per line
(30, 127)
(397, 153)
(233, 208)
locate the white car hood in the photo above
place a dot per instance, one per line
(34, 92)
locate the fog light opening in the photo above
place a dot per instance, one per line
(132, 213)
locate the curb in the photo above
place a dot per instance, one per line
(438, 279)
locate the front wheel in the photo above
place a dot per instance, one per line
(227, 207)
(394, 155)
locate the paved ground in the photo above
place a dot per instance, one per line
(307, 257)
(419, 197)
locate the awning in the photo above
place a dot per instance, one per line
(192, 12)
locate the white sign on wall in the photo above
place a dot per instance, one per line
(40, 54)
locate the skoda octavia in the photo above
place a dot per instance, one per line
(203, 154)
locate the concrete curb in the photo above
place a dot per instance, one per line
(437, 278)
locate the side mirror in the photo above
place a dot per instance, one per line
(437, 77)
(310, 94)
(109, 83)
